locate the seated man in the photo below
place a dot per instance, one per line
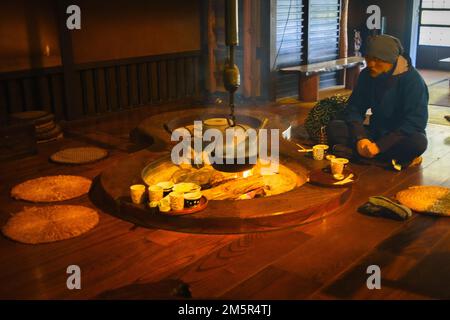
(398, 98)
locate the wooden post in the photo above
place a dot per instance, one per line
(343, 36)
(72, 83)
(308, 88)
(351, 77)
(272, 32)
(249, 44)
(212, 44)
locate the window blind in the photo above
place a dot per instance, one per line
(323, 35)
(289, 44)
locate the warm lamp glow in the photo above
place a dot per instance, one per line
(247, 173)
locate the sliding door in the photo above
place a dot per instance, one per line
(434, 33)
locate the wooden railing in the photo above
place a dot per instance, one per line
(105, 86)
(40, 89)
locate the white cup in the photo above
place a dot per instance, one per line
(319, 151)
(164, 204)
(137, 192)
(176, 200)
(338, 165)
(155, 193)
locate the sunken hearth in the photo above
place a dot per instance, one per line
(240, 202)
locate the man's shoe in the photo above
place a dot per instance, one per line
(392, 208)
(415, 163)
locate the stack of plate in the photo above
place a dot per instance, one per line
(44, 123)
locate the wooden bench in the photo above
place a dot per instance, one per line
(445, 64)
(308, 83)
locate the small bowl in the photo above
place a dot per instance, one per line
(186, 187)
(192, 199)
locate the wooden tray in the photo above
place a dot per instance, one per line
(324, 178)
(201, 206)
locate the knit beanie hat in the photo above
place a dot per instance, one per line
(384, 47)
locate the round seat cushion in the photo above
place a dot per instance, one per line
(47, 224)
(79, 155)
(37, 117)
(433, 200)
(51, 188)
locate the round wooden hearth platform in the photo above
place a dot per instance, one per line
(302, 205)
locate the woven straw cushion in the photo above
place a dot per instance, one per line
(51, 189)
(36, 117)
(79, 155)
(60, 136)
(427, 199)
(50, 223)
(46, 127)
(29, 115)
(49, 134)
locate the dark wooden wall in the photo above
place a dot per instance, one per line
(106, 86)
(126, 54)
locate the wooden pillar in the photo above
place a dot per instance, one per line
(308, 88)
(72, 84)
(251, 30)
(270, 27)
(248, 43)
(343, 36)
(351, 77)
(211, 44)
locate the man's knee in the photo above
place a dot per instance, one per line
(419, 142)
(337, 128)
(337, 132)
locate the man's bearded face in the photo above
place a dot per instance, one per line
(377, 67)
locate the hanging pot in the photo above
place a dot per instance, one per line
(237, 162)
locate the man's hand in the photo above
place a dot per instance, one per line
(372, 150)
(361, 147)
(367, 148)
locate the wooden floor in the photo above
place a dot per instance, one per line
(434, 76)
(322, 260)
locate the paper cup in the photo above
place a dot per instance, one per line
(137, 192)
(153, 204)
(155, 193)
(176, 201)
(319, 151)
(167, 187)
(338, 165)
(164, 204)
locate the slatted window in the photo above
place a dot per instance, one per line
(323, 35)
(289, 44)
(296, 45)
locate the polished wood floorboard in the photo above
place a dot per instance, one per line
(322, 260)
